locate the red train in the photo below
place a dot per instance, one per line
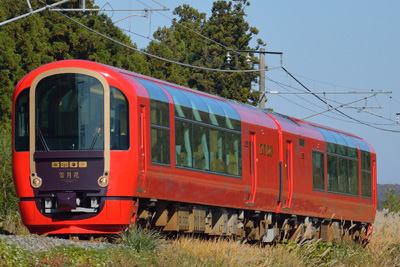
(97, 148)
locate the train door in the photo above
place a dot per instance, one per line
(289, 173)
(374, 186)
(253, 168)
(286, 177)
(142, 164)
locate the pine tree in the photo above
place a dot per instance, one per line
(392, 200)
(181, 42)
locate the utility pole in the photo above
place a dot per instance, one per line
(262, 68)
(262, 78)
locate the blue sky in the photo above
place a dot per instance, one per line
(330, 46)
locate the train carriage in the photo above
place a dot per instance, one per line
(97, 148)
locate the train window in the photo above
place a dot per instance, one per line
(343, 177)
(159, 121)
(353, 177)
(160, 151)
(201, 156)
(217, 115)
(217, 151)
(365, 161)
(366, 184)
(160, 143)
(183, 143)
(119, 126)
(318, 170)
(183, 107)
(332, 174)
(342, 169)
(69, 113)
(200, 110)
(302, 142)
(365, 174)
(22, 121)
(159, 113)
(233, 146)
(155, 92)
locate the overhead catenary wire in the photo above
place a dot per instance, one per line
(282, 85)
(336, 109)
(161, 58)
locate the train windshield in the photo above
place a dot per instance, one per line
(69, 113)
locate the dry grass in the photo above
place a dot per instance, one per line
(195, 252)
(384, 247)
(384, 250)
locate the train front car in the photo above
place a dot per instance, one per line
(69, 119)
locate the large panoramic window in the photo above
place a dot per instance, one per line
(69, 113)
(207, 133)
(342, 161)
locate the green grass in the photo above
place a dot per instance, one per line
(140, 248)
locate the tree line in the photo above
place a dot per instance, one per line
(50, 36)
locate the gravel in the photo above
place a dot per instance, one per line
(39, 244)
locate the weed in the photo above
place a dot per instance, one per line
(140, 240)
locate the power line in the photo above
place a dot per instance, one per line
(299, 91)
(158, 57)
(194, 31)
(312, 103)
(336, 109)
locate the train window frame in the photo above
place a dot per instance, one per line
(321, 172)
(21, 120)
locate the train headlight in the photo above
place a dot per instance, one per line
(36, 182)
(103, 180)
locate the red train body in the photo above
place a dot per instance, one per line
(112, 147)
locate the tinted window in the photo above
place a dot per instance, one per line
(183, 143)
(318, 170)
(217, 151)
(366, 184)
(201, 155)
(119, 120)
(22, 121)
(160, 146)
(233, 154)
(69, 113)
